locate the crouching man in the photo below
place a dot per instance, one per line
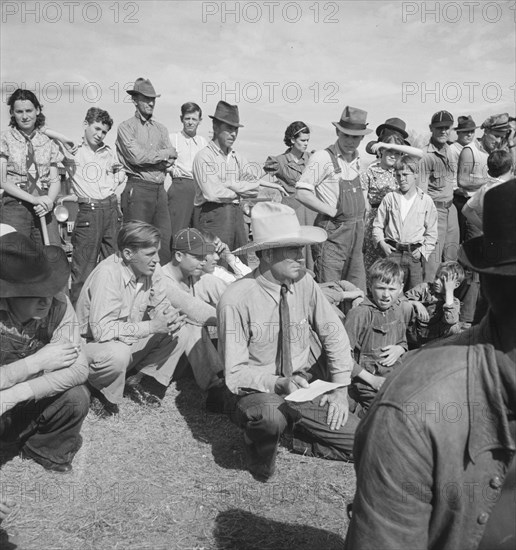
(265, 323)
(125, 317)
(42, 365)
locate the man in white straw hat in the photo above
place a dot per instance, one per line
(266, 321)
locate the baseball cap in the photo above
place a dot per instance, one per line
(442, 118)
(191, 241)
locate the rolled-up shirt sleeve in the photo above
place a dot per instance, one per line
(317, 169)
(333, 337)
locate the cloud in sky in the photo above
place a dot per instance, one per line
(370, 54)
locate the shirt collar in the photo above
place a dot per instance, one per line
(195, 138)
(292, 158)
(139, 117)
(336, 151)
(37, 138)
(128, 275)
(431, 148)
(84, 144)
(273, 289)
(215, 148)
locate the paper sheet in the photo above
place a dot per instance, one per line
(316, 388)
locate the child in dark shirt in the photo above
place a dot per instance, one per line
(435, 306)
(377, 331)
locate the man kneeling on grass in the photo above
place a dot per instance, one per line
(265, 322)
(43, 399)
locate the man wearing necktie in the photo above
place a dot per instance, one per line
(270, 325)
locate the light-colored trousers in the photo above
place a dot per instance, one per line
(157, 356)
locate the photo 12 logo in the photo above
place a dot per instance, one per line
(71, 12)
(455, 12)
(454, 92)
(270, 12)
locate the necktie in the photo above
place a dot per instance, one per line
(31, 166)
(284, 335)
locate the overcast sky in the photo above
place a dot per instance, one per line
(281, 61)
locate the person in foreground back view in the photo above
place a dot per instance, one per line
(435, 456)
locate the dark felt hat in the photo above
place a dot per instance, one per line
(353, 122)
(227, 113)
(396, 125)
(144, 87)
(466, 124)
(31, 270)
(495, 251)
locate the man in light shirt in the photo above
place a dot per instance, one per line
(181, 193)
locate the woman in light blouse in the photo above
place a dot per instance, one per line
(28, 170)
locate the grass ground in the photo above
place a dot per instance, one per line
(173, 478)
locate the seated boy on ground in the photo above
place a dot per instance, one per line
(377, 332)
(437, 310)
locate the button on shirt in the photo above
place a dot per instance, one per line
(143, 146)
(113, 302)
(248, 323)
(13, 147)
(91, 172)
(419, 225)
(320, 178)
(186, 147)
(438, 173)
(214, 172)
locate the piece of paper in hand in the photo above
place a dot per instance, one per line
(316, 388)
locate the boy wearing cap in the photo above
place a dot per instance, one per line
(144, 149)
(188, 251)
(431, 478)
(438, 177)
(330, 185)
(265, 323)
(42, 364)
(125, 316)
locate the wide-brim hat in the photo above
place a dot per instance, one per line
(31, 270)
(275, 225)
(144, 87)
(353, 122)
(495, 251)
(465, 124)
(227, 113)
(396, 125)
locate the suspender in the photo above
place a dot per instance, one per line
(335, 162)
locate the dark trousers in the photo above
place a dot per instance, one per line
(20, 215)
(265, 416)
(226, 221)
(412, 268)
(148, 202)
(181, 196)
(48, 429)
(340, 257)
(94, 239)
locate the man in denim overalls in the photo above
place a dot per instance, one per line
(330, 185)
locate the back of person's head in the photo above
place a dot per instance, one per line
(190, 107)
(386, 271)
(409, 162)
(136, 234)
(25, 95)
(499, 162)
(293, 130)
(95, 114)
(450, 269)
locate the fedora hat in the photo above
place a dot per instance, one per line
(275, 225)
(353, 122)
(227, 113)
(465, 124)
(144, 87)
(30, 270)
(395, 125)
(495, 251)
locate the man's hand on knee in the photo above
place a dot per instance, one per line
(338, 407)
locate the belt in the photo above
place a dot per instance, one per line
(218, 204)
(443, 204)
(404, 247)
(88, 200)
(134, 179)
